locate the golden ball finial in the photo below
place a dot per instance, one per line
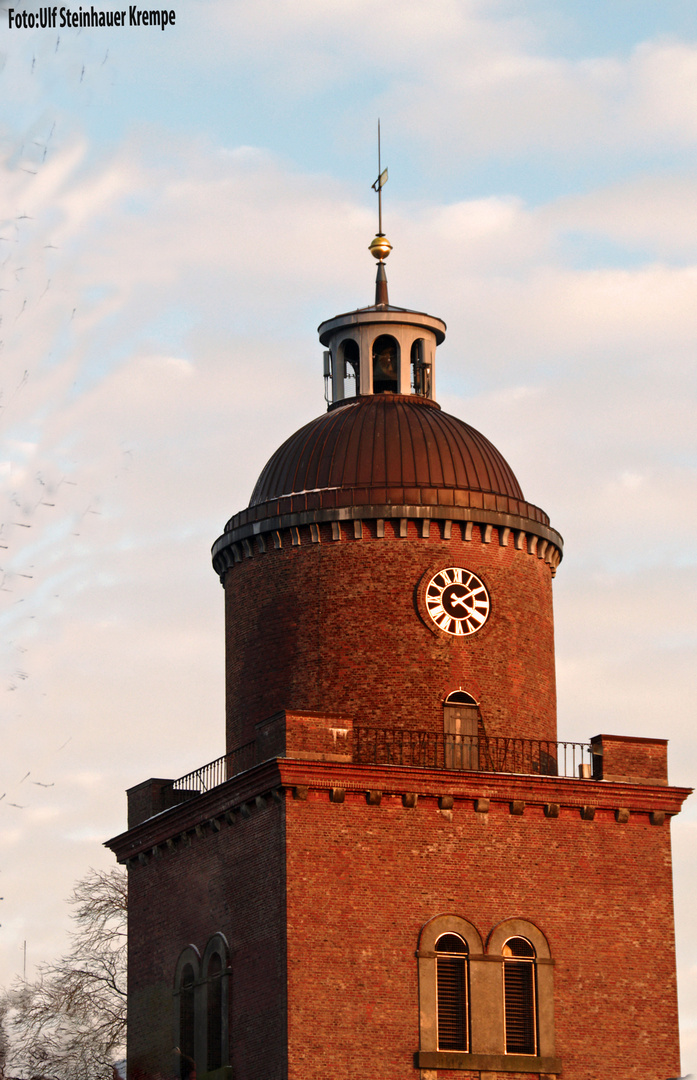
(380, 247)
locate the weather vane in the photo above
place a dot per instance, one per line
(380, 246)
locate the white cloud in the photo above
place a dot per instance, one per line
(465, 76)
(654, 214)
(510, 101)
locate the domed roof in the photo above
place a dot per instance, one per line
(382, 455)
(389, 448)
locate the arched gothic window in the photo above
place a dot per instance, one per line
(519, 996)
(385, 365)
(452, 992)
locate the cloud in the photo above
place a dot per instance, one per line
(646, 215)
(509, 101)
(506, 90)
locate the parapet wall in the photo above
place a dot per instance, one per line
(629, 760)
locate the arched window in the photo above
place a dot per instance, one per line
(452, 992)
(201, 1007)
(519, 996)
(187, 1016)
(421, 369)
(350, 356)
(385, 365)
(216, 970)
(448, 945)
(214, 1012)
(486, 1011)
(461, 731)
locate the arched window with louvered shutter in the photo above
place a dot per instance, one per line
(452, 993)
(519, 996)
(488, 1011)
(448, 946)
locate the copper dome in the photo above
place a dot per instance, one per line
(388, 448)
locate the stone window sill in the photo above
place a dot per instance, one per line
(455, 1059)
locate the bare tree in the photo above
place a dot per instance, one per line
(71, 1023)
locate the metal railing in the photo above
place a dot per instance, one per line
(216, 772)
(477, 753)
(418, 749)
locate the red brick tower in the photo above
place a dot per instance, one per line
(396, 868)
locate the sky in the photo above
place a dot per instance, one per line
(180, 209)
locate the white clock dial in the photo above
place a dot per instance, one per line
(457, 601)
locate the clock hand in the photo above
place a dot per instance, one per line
(458, 601)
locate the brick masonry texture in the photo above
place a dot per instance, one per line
(625, 758)
(336, 627)
(322, 903)
(230, 881)
(363, 880)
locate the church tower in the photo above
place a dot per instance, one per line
(396, 869)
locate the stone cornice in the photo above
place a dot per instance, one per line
(469, 792)
(241, 539)
(384, 315)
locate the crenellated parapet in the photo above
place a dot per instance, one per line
(247, 539)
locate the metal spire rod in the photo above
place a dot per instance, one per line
(380, 246)
(379, 184)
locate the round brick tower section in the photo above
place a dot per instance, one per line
(326, 575)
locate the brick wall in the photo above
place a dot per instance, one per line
(362, 880)
(336, 627)
(630, 760)
(230, 881)
(322, 891)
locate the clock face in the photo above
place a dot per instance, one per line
(457, 601)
